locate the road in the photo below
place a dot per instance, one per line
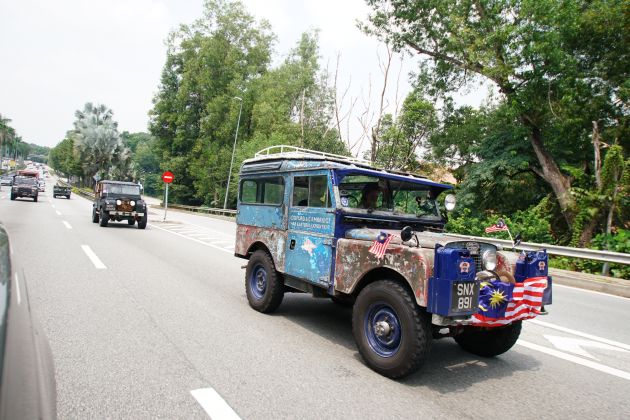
(155, 323)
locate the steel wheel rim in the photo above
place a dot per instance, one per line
(382, 329)
(258, 281)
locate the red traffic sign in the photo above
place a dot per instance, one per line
(167, 177)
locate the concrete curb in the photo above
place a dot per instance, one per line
(608, 285)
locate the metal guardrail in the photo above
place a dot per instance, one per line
(564, 251)
(208, 210)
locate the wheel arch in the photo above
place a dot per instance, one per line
(381, 273)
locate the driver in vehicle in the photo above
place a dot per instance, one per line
(369, 196)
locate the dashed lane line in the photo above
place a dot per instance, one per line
(66, 224)
(58, 212)
(214, 405)
(17, 287)
(92, 256)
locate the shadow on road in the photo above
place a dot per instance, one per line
(447, 369)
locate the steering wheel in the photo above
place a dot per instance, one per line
(352, 201)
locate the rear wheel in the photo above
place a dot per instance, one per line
(489, 342)
(104, 216)
(263, 284)
(392, 332)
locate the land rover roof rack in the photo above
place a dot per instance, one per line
(284, 151)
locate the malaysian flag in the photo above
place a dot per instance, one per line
(379, 246)
(497, 227)
(525, 304)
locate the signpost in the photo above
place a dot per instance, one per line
(167, 177)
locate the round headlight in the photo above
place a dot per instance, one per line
(489, 259)
(133, 203)
(118, 202)
(449, 202)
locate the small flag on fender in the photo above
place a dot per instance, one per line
(380, 245)
(497, 227)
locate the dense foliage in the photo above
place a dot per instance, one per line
(213, 68)
(561, 80)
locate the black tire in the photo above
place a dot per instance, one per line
(131, 222)
(489, 342)
(104, 216)
(94, 215)
(401, 351)
(263, 284)
(54, 195)
(12, 197)
(35, 199)
(142, 223)
(68, 196)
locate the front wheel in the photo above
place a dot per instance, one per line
(94, 215)
(489, 342)
(392, 332)
(131, 222)
(263, 284)
(35, 199)
(142, 223)
(104, 219)
(12, 197)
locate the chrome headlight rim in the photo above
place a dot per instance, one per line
(489, 260)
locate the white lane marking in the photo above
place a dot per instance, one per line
(580, 334)
(53, 206)
(575, 345)
(191, 239)
(214, 405)
(17, 288)
(92, 256)
(66, 224)
(577, 360)
(58, 212)
(589, 291)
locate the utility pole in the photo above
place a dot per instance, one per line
(238, 122)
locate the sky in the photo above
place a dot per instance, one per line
(57, 55)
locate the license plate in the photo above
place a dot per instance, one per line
(465, 296)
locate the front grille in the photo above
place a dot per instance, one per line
(125, 206)
(476, 250)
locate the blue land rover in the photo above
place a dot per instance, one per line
(372, 239)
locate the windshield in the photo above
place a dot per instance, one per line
(399, 198)
(26, 180)
(121, 189)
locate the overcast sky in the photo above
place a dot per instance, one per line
(57, 55)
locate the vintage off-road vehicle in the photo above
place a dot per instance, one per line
(24, 186)
(117, 201)
(372, 239)
(61, 191)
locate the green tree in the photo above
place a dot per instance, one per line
(208, 64)
(98, 143)
(543, 57)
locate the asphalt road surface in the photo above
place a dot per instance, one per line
(155, 323)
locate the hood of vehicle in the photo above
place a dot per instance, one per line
(425, 238)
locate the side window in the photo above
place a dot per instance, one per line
(262, 191)
(248, 191)
(311, 191)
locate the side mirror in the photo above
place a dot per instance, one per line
(406, 233)
(518, 239)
